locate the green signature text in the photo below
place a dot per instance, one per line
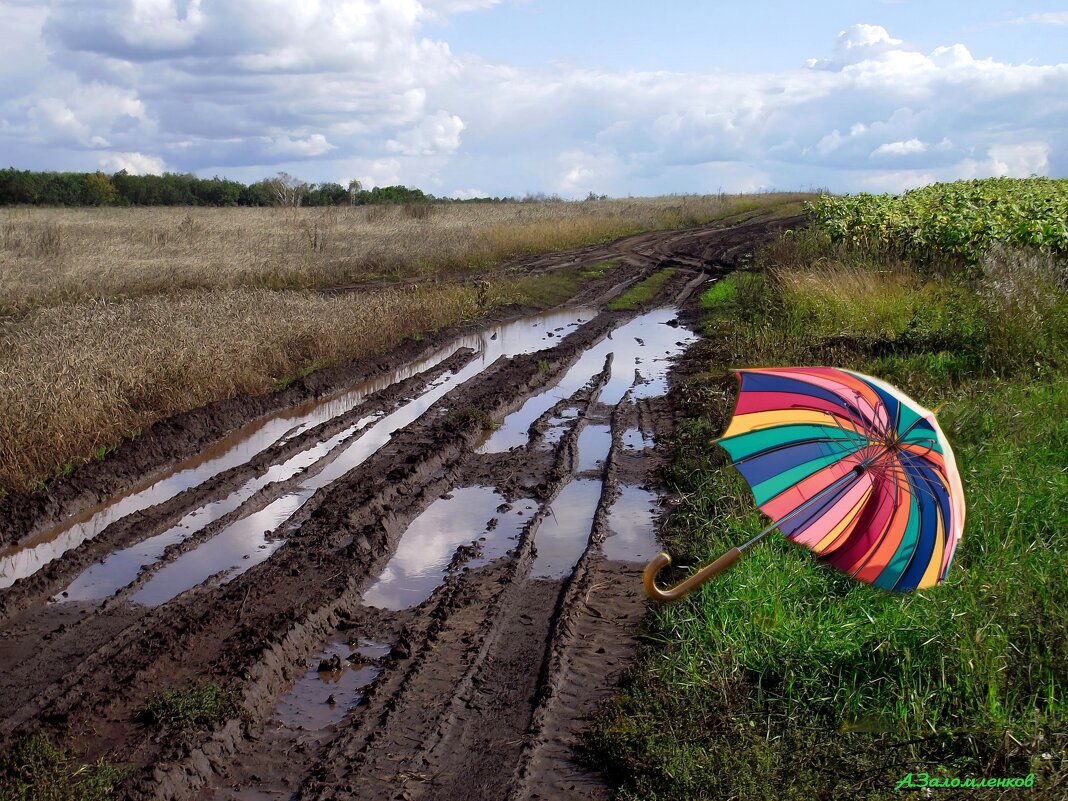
(924, 780)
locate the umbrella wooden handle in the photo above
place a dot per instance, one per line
(662, 560)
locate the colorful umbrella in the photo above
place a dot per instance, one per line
(847, 466)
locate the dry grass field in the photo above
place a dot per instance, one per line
(111, 319)
(75, 379)
(50, 256)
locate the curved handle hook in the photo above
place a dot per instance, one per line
(662, 560)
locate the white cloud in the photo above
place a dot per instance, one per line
(159, 24)
(467, 194)
(1020, 160)
(863, 38)
(581, 172)
(335, 89)
(88, 114)
(52, 113)
(905, 148)
(314, 145)
(859, 43)
(895, 181)
(1013, 161)
(437, 133)
(444, 8)
(133, 163)
(1045, 18)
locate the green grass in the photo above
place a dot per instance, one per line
(194, 707)
(721, 293)
(544, 291)
(33, 769)
(642, 292)
(786, 680)
(600, 269)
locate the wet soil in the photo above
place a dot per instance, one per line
(419, 576)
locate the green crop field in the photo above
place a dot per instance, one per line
(958, 220)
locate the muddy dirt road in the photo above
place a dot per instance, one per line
(418, 578)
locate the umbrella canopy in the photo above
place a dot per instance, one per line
(849, 467)
(896, 519)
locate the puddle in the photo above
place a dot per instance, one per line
(632, 526)
(308, 705)
(634, 439)
(246, 542)
(645, 344)
(594, 442)
(557, 426)
(231, 552)
(36, 551)
(427, 546)
(565, 531)
(121, 567)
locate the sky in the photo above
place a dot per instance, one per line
(468, 98)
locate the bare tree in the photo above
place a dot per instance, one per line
(354, 189)
(288, 189)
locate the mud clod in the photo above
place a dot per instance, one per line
(400, 651)
(331, 665)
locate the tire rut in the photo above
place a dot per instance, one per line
(489, 680)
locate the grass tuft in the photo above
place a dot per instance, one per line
(195, 707)
(721, 293)
(642, 292)
(33, 769)
(600, 269)
(464, 418)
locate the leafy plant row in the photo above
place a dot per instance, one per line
(961, 219)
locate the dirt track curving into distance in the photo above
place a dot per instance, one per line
(456, 534)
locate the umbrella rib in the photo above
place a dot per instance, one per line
(851, 475)
(901, 473)
(882, 537)
(916, 549)
(868, 441)
(845, 449)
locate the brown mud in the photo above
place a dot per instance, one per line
(419, 577)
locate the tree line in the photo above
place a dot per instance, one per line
(39, 188)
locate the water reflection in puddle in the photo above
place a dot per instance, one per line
(245, 542)
(418, 566)
(645, 344)
(565, 531)
(33, 553)
(594, 442)
(321, 698)
(121, 567)
(634, 439)
(557, 426)
(632, 526)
